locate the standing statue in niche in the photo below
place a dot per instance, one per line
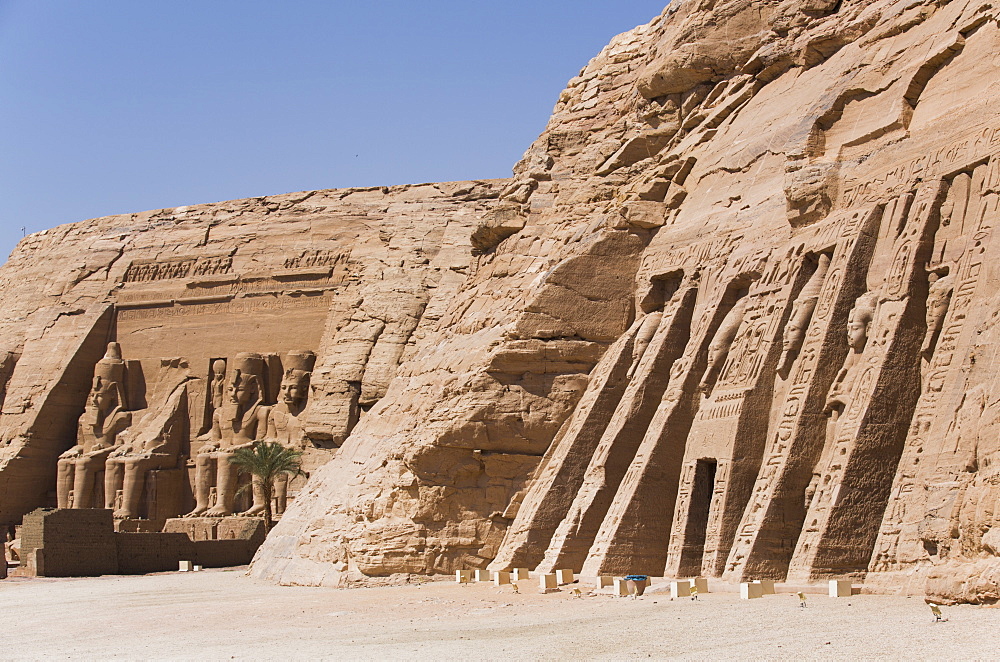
(802, 310)
(218, 385)
(838, 397)
(238, 423)
(858, 321)
(283, 424)
(102, 422)
(723, 340)
(941, 286)
(643, 337)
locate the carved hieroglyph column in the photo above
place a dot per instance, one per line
(622, 436)
(773, 518)
(865, 437)
(933, 456)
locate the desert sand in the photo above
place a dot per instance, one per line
(224, 614)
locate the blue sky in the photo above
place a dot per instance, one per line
(114, 106)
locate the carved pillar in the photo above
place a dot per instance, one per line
(654, 372)
(865, 442)
(773, 517)
(633, 532)
(934, 463)
(560, 473)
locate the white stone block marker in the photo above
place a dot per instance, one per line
(564, 577)
(766, 586)
(621, 588)
(546, 582)
(605, 580)
(463, 576)
(197, 568)
(700, 583)
(186, 566)
(482, 575)
(750, 590)
(680, 588)
(501, 577)
(841, 588)
(518, 574)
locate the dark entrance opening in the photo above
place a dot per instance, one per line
(702, 489)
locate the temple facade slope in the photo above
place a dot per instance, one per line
(732, 316)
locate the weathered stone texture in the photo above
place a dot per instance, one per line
(180, 289)
(734, 315)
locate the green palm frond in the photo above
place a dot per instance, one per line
(266, 460)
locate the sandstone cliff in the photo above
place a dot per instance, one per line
(733, 315)
(719, 197)
(357, 275)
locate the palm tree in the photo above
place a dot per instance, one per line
(265, 461)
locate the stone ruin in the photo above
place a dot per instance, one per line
(733, 316)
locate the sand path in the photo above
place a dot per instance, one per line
(224, 614)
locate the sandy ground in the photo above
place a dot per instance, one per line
(223, 614)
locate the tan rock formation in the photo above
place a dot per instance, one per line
(774, 167)
(733, 315)
(182, 293)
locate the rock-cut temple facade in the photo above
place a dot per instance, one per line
(735, 315)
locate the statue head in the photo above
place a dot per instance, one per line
(804, 306)
(244, 385)
(109, 376)
(792, 337)
(218, 369)
(295, 382)
(858, 321)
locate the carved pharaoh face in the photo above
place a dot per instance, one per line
(793, 330)
(857, 332)
(102, 396)
(242, 389)
(295, 388)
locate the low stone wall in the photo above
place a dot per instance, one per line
(81, 543)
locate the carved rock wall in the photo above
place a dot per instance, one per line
(734, 315)
(269, 275)
(765, 224)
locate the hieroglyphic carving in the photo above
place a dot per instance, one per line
(316, 258)
(955, 301)
(142, 271)
(234, 307)
(933, 163)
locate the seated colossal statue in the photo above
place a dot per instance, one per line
(238, 423)
(283, 424)
(103, 420)
(155, 444)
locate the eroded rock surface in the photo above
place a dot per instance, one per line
(733, 315)
(208, 308)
